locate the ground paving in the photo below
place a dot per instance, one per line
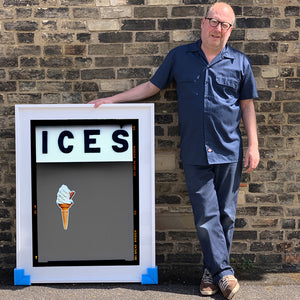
(268, 286)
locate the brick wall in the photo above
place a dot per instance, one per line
(72, 51)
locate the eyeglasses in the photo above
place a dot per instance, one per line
(214, 23)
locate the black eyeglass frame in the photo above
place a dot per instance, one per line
(219, 22)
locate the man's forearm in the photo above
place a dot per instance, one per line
(140, 92)
(249, 120)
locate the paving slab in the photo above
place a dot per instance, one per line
(267, 286)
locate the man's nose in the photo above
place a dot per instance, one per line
(219, 28)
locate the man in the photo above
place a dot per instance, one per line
(215, 88)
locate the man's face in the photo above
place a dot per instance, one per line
(215, 38)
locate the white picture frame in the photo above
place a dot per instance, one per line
(145, 270)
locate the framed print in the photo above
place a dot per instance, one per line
(85, 193)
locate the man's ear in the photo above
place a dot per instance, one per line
(202, 22)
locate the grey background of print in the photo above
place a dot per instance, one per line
(100, 220)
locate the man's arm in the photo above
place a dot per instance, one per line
(249, 120)
(139, 92)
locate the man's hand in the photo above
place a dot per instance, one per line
(251, 159)
(100, 101)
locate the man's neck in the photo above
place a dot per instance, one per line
(210, 53)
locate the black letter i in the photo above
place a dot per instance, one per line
(45, 142)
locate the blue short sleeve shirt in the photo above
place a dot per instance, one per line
(209, 96)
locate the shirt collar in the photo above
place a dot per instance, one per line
(225, 53)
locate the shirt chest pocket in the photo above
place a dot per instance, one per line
(227, 86)
(230, 82)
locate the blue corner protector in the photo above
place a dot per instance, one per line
(151, 277)
(20, 278)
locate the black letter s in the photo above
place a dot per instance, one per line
(116, 139)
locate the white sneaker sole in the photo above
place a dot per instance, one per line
(234, 291)
(208, 293)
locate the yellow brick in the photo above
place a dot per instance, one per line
(165, 162)
(175, 221)
(118, 2)
(115, 85)
(260, 83)
(241, 198)
(115, 12)
(257, 35)
(107, 25)
(269, 72)
(164, 2)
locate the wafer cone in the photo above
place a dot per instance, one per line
(65, 213)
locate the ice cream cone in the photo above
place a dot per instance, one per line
(65, 213)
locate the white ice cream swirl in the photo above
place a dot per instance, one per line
(63, 195)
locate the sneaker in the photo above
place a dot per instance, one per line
(229, 286)
(207, 286)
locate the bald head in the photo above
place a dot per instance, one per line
(213, 36)
(222, 6)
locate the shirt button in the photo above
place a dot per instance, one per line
(209, 150)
